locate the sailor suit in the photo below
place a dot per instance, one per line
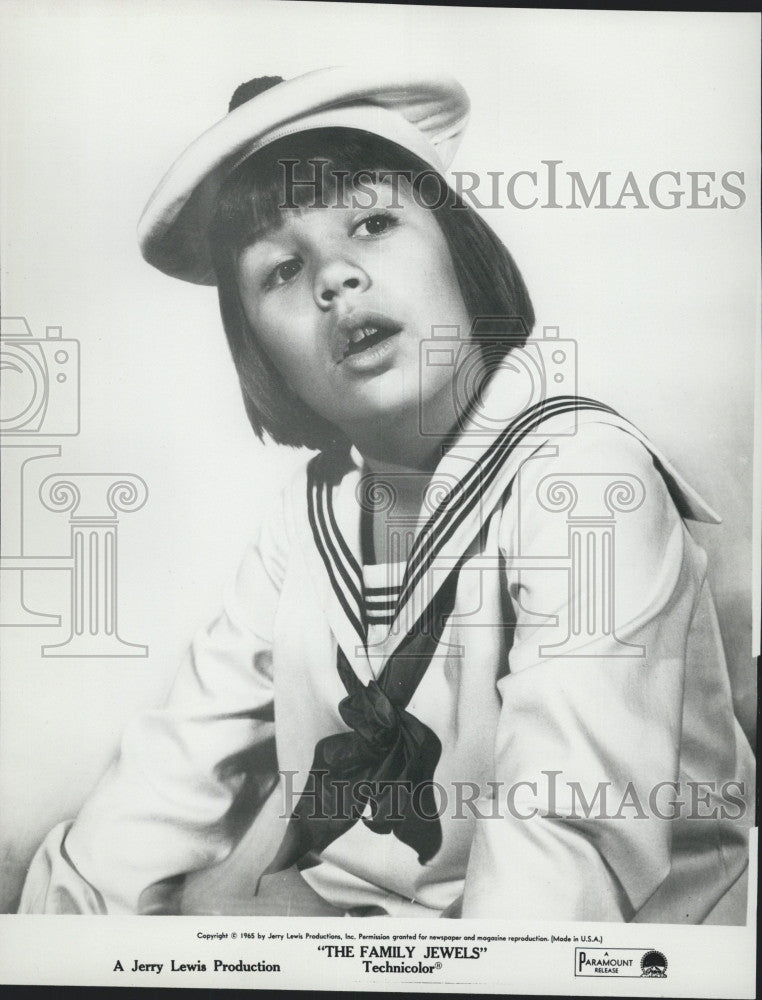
(553, 659)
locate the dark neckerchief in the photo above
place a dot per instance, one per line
(385, 762)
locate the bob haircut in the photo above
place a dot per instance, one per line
(250, 203)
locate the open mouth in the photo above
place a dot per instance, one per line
(365, 338)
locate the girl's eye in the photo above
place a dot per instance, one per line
(284, 272)
(376, 224)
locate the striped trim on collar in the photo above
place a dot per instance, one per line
(454, 508)
(343, 569)
(340, 563)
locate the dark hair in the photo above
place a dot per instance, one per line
(248, 204)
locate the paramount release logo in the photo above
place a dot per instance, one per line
(630, 963)
(654, 964)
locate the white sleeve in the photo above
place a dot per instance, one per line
(583, 712)
(170, 803)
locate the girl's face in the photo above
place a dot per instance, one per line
(341, 299)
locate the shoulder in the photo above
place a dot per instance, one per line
(599, 472)
(286, 520)
(597, 445)
(590, 455)
(274, 535)
(279, 528)
(596, 502)
(597, 442)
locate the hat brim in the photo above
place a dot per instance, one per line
(422, 112)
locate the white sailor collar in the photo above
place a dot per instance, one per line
(471, 479)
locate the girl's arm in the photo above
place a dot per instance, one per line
(586, 721)
(171, 802)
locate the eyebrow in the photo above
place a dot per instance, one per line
(264, 232)
(258, 236)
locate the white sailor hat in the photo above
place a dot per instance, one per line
(423, 113)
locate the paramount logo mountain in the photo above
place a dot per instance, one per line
(623, 962)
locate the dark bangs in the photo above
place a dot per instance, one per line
(316, 168)
(305, 170)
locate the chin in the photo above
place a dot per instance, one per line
(376, 405)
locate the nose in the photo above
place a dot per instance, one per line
(337, 277)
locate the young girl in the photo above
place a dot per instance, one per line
(471, 665)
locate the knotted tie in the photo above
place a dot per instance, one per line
(382, 770)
